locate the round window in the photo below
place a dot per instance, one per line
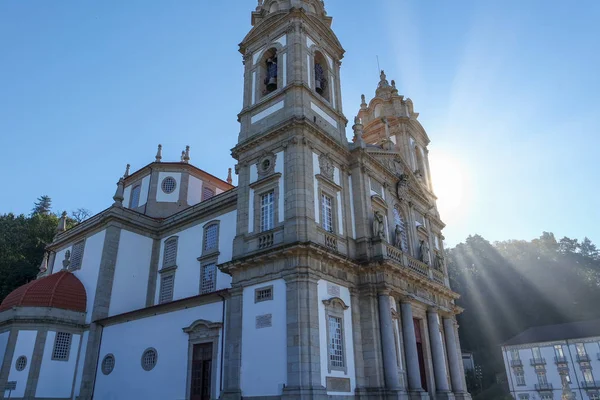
(108, 364)
(149, 359)
(168, 185)
(21, 363)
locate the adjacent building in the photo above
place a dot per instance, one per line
(555, 362)
(321, 275)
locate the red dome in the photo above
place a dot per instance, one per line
(60, 290)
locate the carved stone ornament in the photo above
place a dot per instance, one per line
(402, 186)
(336, 302)
(378, 226)
(398, 233)
(326, 165)
(266, 165)
(424, 252)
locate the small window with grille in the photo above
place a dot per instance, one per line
(77, 255)
(108, 364)
(207, 193)
(211, 237)
(167, 283)
(267, 211)
(263, 294)
(149, 359)
(62, 346)
(168, 185)
(134, 202)
(21, 363)
(336, 343)
(208, 279)
(327, 212)
(520, 378)
(170, 252)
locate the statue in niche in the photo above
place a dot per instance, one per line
(320, 79)
(398, 233)
(378, 226)
(67, 261)
(424, 252)
(271, 78)
(439, 261)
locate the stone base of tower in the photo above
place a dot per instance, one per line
(304, 393)
(231, 395)
(381, 394)
(418, 395)
(444, 396)
(462, 396)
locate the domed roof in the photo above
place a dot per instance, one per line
(61, 290)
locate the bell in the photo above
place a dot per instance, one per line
(272, 84)
(318, 86)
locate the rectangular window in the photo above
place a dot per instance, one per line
(263, 294)
(520, 378)
(537, 354)
(542, 379)
(207, 193)
(134, 202)
(267, 211)
(167, 283)
(336, 342)
(581, 349)
(208, 279)
(559, 351)
(514, 354)
(62, 346)
(587, 376)
(77, 255)
(211, 234)
(327, 212)
(170, 253)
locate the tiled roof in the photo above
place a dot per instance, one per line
(550, 333)
(61, 290)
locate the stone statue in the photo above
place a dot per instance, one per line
(439, 261)
(378, 227)
(398, 238)
(424, 252)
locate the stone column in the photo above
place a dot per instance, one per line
(456, 372)
(410, 347)
(390, 362)
(437, 351)
(233, 346)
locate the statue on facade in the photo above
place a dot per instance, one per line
(320, 79)
(271, 78)
(398, 233)
(378, 226)
(424, 252)
(439, 261)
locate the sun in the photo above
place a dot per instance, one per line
(449, 179)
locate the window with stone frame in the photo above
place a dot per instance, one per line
(514, 354)
(167, 286)
(134, 201)
(581, 352)
(520, 378)
(334, 323)
(77, 255)
(327, 206)
(263, 294)
(62, 346)
(542, 378)
(588, 377)
(170, 252)
(208, 277)
(267, 211)
(207, 193)
(211, 237)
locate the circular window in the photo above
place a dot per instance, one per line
(149, 359)
(21, 363)
(168, 185)
(108, 364)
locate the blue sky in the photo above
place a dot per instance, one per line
(507, 91)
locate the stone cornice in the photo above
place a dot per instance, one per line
(193, 170)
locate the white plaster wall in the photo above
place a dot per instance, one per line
(194, 191)
(56, 377)
(171, 197)
(79, 370)
(90, 266)
(130, 282)
(264, 351)
(127, 195)
(24, 347)
(167, 380)
(144, 190)
(349, 350)
(190, 242)
(3, 343)
(280, 167)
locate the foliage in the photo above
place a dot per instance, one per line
(42, 205)
(510, 286)
(81, 214)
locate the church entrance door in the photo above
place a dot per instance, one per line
(201, 371)
(419, 336)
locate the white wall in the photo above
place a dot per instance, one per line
(144, 190)
(129, 340)
(56, 377)
(190, 242)
(3, 343)
(194, 191)
(345, 296)
(90, 266)
(171, 197)
(264, 351)
(79, 373)
(24, 347)
(130, 282)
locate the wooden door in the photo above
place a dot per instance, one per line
(201, 371)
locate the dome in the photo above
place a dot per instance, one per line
(61, 290)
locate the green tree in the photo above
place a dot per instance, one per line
(588, 249)
(43, 205)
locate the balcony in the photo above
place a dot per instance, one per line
(590, 384)
(414, 265)
(543, 386)
(516, 363)
(560, 360)
(583, 358)
(538, 361)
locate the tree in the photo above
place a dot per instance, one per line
(80, 214)
(42, 205)
(588, 249)
(568, 246)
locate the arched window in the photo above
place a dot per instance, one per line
(401, 241)
(321, 75)
(135, 197)
(269, 72)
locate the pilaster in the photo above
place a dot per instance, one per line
(36, 364)
(388, 345)
(437, 352)
(410, 348)
(233, 348)
(8, 359)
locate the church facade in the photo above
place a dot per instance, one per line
(322, 274)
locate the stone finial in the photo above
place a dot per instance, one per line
(229, 178)
(394, 89)
(126, 171)
(182, 155)
(363, 102)
(44, 264)
(118, 197)
(383, 82)
(186, 155)
(358, 132)
(159, 153)
(62, 223)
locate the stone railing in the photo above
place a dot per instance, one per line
(516, 363)
(590, 384)
(266, 240)
(413, 264)
(543, 386)
(395, 254)
(583, 358)
(537, 361)
(331, 242)
(560, 359)
(418, 266)
(438, 276)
